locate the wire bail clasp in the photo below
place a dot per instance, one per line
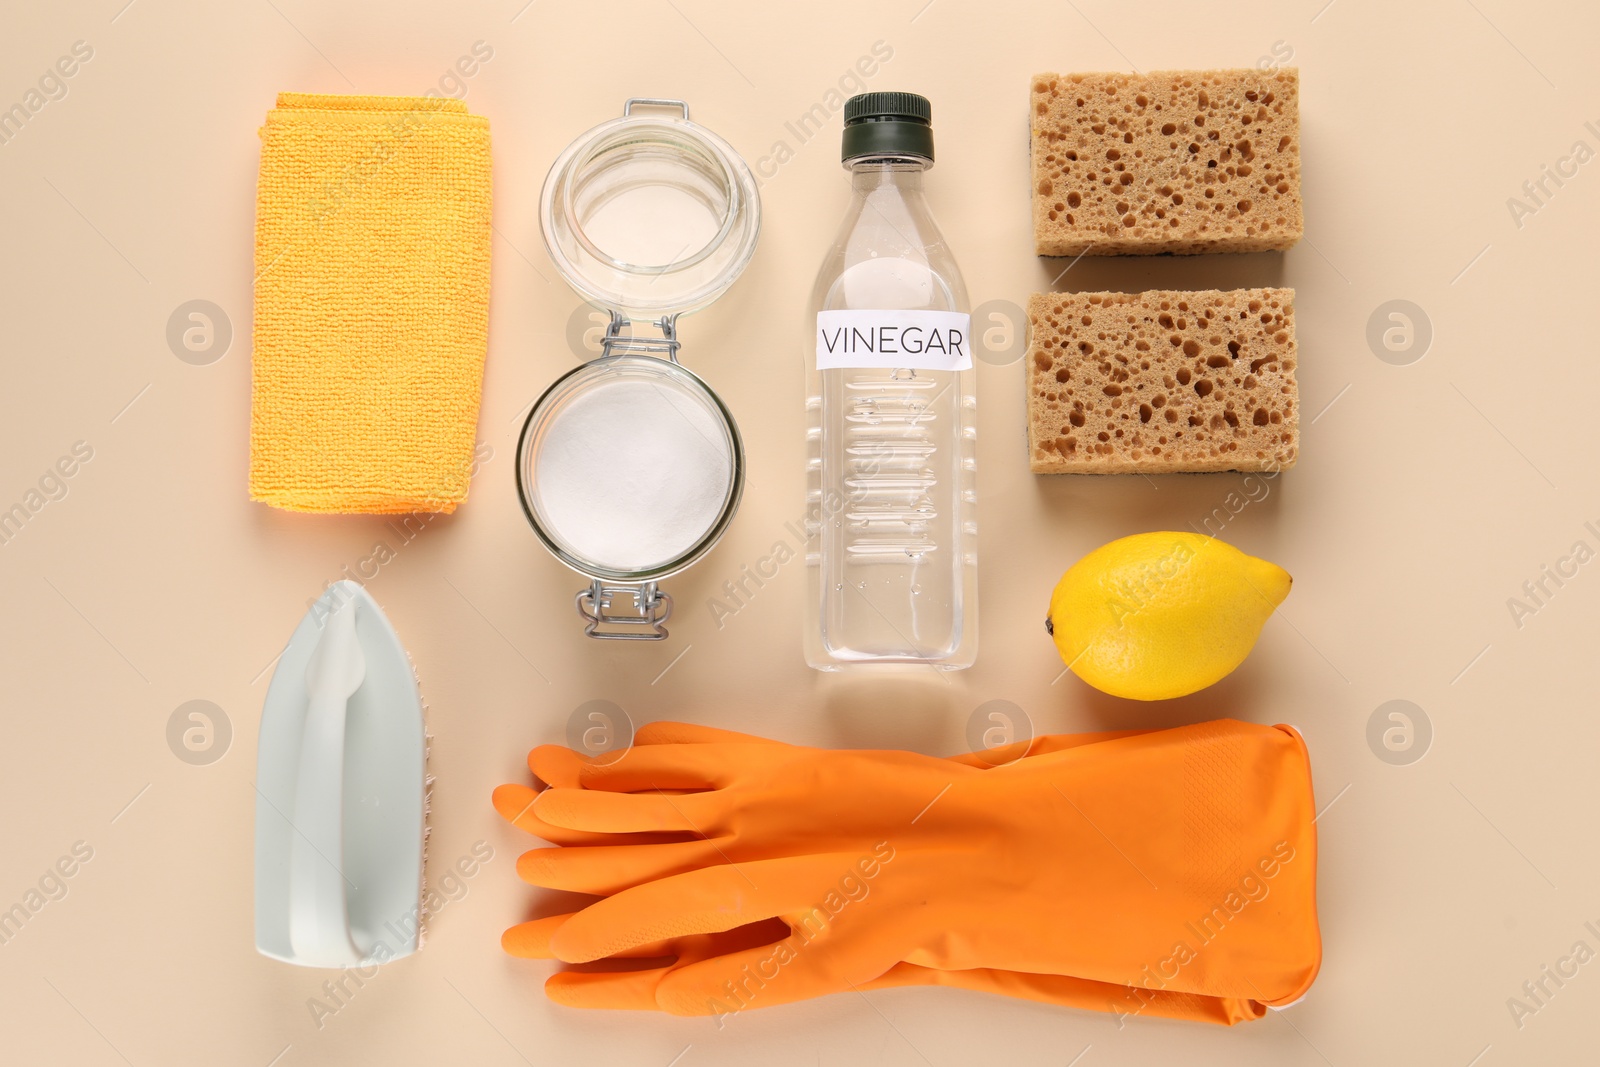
(654, 101)
(616, 342)
(646, 621)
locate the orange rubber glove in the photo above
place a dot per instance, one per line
(635, 989)
(1169, 872)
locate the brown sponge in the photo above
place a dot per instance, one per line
(1174, 161)
(1162, 382)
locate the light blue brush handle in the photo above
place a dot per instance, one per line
(319, 915)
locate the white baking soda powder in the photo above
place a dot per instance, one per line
(632, 473)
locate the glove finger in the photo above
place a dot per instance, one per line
(599, 811)
(703, 901)
(558, 765)
(615, 990)
(688, 733)
(601, 870)
(814, 961)
(672, 766)
(636, 989)
(531, 940)
(516, 804)
(555, 765)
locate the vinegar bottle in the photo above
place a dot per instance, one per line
(892, 554)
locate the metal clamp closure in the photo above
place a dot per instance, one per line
(654, 101)
(617, 343)
(646, 621)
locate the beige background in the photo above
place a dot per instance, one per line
(1425, 496)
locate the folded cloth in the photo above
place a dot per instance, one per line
(1168, 872)
(371, 303)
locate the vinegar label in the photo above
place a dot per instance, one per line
(888, 340)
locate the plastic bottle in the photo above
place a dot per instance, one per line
(892, 552)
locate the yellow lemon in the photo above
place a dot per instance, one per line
(1161, 615)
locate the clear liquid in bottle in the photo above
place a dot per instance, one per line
(891, 558)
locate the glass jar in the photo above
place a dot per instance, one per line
(630, 467)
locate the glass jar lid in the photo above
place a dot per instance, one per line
(650, 214)
(629, 468)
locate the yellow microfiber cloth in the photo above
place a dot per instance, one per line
(371, 303)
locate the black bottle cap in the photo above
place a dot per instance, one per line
(888, 124)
